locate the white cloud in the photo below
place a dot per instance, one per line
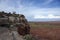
(5, 5)
(42, 11)
(47, 2)
(50, 16)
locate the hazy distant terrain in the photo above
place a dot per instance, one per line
(50, 24)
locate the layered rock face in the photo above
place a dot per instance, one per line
(14, 24)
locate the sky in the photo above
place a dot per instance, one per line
(34, 10)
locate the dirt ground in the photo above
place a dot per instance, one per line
(45, 30)
(46, 33)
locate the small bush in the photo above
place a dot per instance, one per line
(29, 37)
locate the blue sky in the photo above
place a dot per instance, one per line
(34, 10)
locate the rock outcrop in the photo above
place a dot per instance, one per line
(14, 24)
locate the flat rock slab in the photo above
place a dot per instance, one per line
(6, 35)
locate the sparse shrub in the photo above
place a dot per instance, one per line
(29, 37)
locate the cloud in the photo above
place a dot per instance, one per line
(50, 16)
(4, 6)
(9, 6)
(41, 11)
(47, 2)
(29, 9)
